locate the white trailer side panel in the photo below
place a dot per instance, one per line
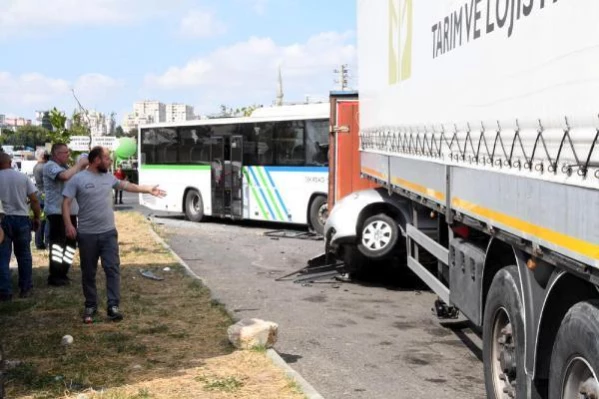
(542, 64)
(498, 97)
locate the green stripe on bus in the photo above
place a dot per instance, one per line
(254, 193)
(274, 203)
(175, 167)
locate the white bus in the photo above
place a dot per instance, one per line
(271, 166)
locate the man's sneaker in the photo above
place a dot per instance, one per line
(88, 314)
(26, 293)
(114, 313)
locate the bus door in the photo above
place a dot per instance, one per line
(236, 176)
(217, 173)
(227, 182)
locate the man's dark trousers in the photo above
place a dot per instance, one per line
(62, 250)
(102, 246)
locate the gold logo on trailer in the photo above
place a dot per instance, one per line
(400, 40)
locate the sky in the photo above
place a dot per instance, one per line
(203, 53)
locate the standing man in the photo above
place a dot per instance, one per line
(16, 189)
(41, 234)
(96, 234)
(118, 193)
(1, 219)
(62, 248)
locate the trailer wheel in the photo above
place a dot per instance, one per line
(503, 338)
(378, 236)
(575, 357)
(319, 212)
(194, 206)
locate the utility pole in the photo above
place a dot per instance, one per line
(342, 77)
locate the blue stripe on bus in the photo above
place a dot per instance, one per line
(311, 169)
(272, 214)
(272, 183)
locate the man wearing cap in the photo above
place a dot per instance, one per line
(16, 227)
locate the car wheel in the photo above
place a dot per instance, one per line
(378, 236)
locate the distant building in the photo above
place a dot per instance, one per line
(14, 123)
(42, 118)
(146, 112)
(96, 122)
(179, 113)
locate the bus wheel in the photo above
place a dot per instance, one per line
(319, 212)
(194, 206)
(378, 237)
(575, 356)
(503, 338)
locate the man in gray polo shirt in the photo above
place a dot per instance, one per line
(62, 249)
(15, 191)
(96, 231)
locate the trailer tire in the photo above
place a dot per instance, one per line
(194, 206)
(319, 212)
(378, 236)
(503, 337)
(575, 356)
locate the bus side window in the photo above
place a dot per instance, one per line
(317, 142)
(167, 141)
(289, 140)
(263, 133)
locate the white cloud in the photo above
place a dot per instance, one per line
(247, 71)
(259, 6)
(92, 88)
(27, 16)
(36, 91)
(198, 24)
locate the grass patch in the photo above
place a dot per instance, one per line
(226, 384)
(171, 328)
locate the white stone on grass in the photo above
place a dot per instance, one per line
(253, 333)
(66, 340)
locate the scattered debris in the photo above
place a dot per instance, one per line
(166, 269)
(303, 235)
(320, 267)
(150, 275)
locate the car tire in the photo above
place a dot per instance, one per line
(378, 236)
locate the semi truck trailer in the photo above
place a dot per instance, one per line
(479, 120)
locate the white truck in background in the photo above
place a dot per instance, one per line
(480, 120)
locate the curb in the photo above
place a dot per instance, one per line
(307, 389)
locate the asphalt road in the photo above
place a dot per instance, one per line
(361, 340)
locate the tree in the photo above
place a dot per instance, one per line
(119, 132)
(228, 112)
(26, 136)
(79, 126)
(59, 133)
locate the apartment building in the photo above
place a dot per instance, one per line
(179, 112)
